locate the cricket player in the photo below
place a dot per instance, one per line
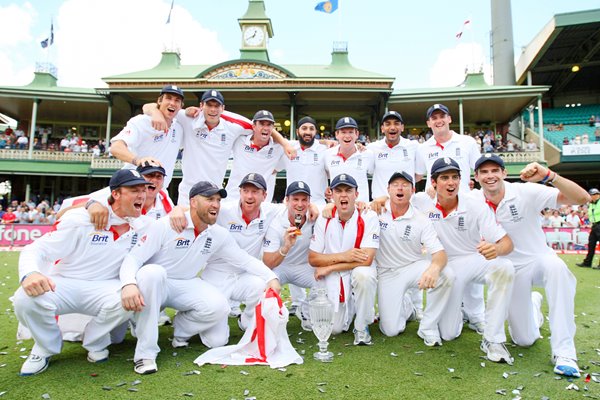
(517, 207)
(139, 143)
(346, 159)
(342, 250)
(68, 271)
(257, 153)
(475, 245)
(401, 264)
(286, 244)
(162, 271)
(465, 151)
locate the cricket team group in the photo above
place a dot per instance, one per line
(119, 256)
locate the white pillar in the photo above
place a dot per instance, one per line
(27, 192)
(292, 120)
(108, 122)
(541, 128)
(461, 123)
(32, 127)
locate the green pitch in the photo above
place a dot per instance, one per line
(393, 368)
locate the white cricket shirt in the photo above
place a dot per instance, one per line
(388, 160)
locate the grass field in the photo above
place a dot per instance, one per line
(454, 371)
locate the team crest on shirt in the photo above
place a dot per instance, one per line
(98, 238)
(261, 225)
(460, 226)
(514, 213)
(315, 159)
(182, 243)
(406, 234)
(405, 153)
(458, 152)
(134, 240)
(173, 136)
(207, 245)
(223, 139)
(270, 153)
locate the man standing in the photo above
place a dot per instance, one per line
(517, 207)
(286, 243)
(162, 271)
(475, 244)
(401, 264)
(309, 164)
(392, 153)
(342, 250)
(594, 215)
(257, 153)
(346, 159)
(68, 271)
(139, 143)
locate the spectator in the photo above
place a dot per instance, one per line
(592, 120)
(101, 146)
(573, 220)
(9, 216)
(566, 140)
(2, 212)
(556, 220)
(22, 142)
(531, 145)
(84, 147)
(597, 135)
(64, 143)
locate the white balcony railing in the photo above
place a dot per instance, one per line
(43, 155)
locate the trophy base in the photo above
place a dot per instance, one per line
(323, 357)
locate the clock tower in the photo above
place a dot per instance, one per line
(256, 30)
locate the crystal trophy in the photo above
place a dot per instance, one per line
(321, 318)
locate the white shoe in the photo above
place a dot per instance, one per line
(145, 366)
(478, 327)
(566, 366)
(536, 299)
(362, 338)
(430, 340)
(304, 320)
(164, 319)
(97, 356)
(179, 342)
(496, 352)
(34, 365)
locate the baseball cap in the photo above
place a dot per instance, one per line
(437, 107)
(207, 189)
(126, 177)
(213, 95)
(444, 164)
(173, 89)
(343, 179)
(306, 120)
(346, 122)
(263, 115)
(489, 157)
(401, 175)
(149, 168)
(392, 114)
(297, 187)
(594, 191)
(255, 179)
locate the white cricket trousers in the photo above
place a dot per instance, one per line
(498, 274)
(360, 300)
(394, 310)
(245, 288)
(100, 299)
(550, 272)
(201, 310)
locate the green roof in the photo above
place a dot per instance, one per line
(44, 84)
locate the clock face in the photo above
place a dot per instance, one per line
(254, 36)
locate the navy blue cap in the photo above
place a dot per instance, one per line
(346, 122)
(263, 115)
(148, 168)
(213, 95)
(343, 179)
(489, 157)
(401, 175)
(444, 164)
(437, 107)
(173, 89)
(207, 189)
(256, 180)
(126, 177)
(297, 187)
(392, 114)
(306, 120)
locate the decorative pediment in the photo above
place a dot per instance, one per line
(246, 71)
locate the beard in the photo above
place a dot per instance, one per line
(304, 143)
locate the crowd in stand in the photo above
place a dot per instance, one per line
(70, 143)
(32, 212)
(566, 217)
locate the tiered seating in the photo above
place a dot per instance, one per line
(566, 115)
(570, 131)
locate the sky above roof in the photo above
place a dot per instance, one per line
(415, 42)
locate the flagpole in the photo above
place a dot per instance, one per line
(339, 22)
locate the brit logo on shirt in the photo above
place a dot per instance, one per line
(182, 243)
(383, 225)
(201, 133)
(248, 149)
(514, 213)
(99, 239)
(461, 224)
(158, 138)
(266, 243)
(433, 156)
(233, 227)
(382, 156)
(335, 162)
(434, 216)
